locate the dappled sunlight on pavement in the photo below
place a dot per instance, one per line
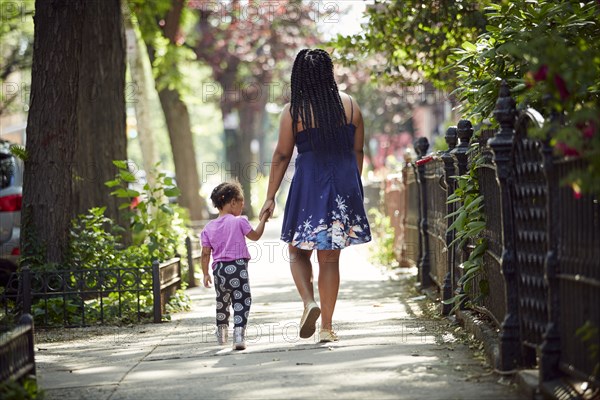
(387, 348)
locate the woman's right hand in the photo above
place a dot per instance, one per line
(268, 207)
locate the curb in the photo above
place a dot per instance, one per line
(527, 380)
(482, 332)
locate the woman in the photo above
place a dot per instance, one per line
(324, 210)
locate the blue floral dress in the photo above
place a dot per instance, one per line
(324, 209)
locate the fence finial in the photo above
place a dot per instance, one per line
(464, 129)
(506, 110)
(451, 137)
(421, 146)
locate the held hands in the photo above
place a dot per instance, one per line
(207, 281)
(267, 208)
(265, 216)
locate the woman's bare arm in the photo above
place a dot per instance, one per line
(359, 138)
(281, 159)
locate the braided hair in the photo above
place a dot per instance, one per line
(315, 98)
(225, 192)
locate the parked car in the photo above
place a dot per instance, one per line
(11, 195)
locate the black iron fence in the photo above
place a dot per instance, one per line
(411, 227)
(83, 297)
(194, 253)
(542, 262)
(16, 351)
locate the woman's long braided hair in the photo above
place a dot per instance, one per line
(315, 99)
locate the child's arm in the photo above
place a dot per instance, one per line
(255, 234)
(205, 260)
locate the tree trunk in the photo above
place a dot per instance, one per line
(178, 124)
(138, 68)
(251, 119)
(184, 156)
(76, 119)
(52, 128)
(231, 125)
(101, 108)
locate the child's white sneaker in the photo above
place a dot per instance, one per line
(222, 333)
(239, 338)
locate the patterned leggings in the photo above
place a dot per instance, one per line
(231, 280)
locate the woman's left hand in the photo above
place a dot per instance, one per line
(269, 207)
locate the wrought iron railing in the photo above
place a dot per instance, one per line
(542, 261)
(194, 252)
(83, 297)
(411, 228)
(17, 359)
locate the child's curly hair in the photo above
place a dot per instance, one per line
(226, 192)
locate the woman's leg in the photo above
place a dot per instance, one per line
(302, 273)
(329, 284)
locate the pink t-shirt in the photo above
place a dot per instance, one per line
(226, 236)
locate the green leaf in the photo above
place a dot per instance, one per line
(112, 183)
(459, 222)
(127, 176)
(121, 164)
(452, 214)
(137, 227)
(121, 193)
(165, 208)
(478, 251)
(19, 151)
(172, 192)
(474, 203)
(453, 200)
(476, 225)
(469, 46)
(471, 271)
(519, 88)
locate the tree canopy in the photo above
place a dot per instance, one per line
(548, 52)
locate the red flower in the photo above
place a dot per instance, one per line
(561, 86)
(566, 150)
(541, 74)
(588, 130)
(134, 202)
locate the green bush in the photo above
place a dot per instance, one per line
(155, 223)
(96, 242)
(383, 253)
(25, 390)
(469, 222)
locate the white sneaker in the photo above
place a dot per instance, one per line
(239, 338)
(309, 320)
(222, 333)
(327, 335)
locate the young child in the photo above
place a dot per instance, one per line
(224, 238)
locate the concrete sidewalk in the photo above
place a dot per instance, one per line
(387, 348)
